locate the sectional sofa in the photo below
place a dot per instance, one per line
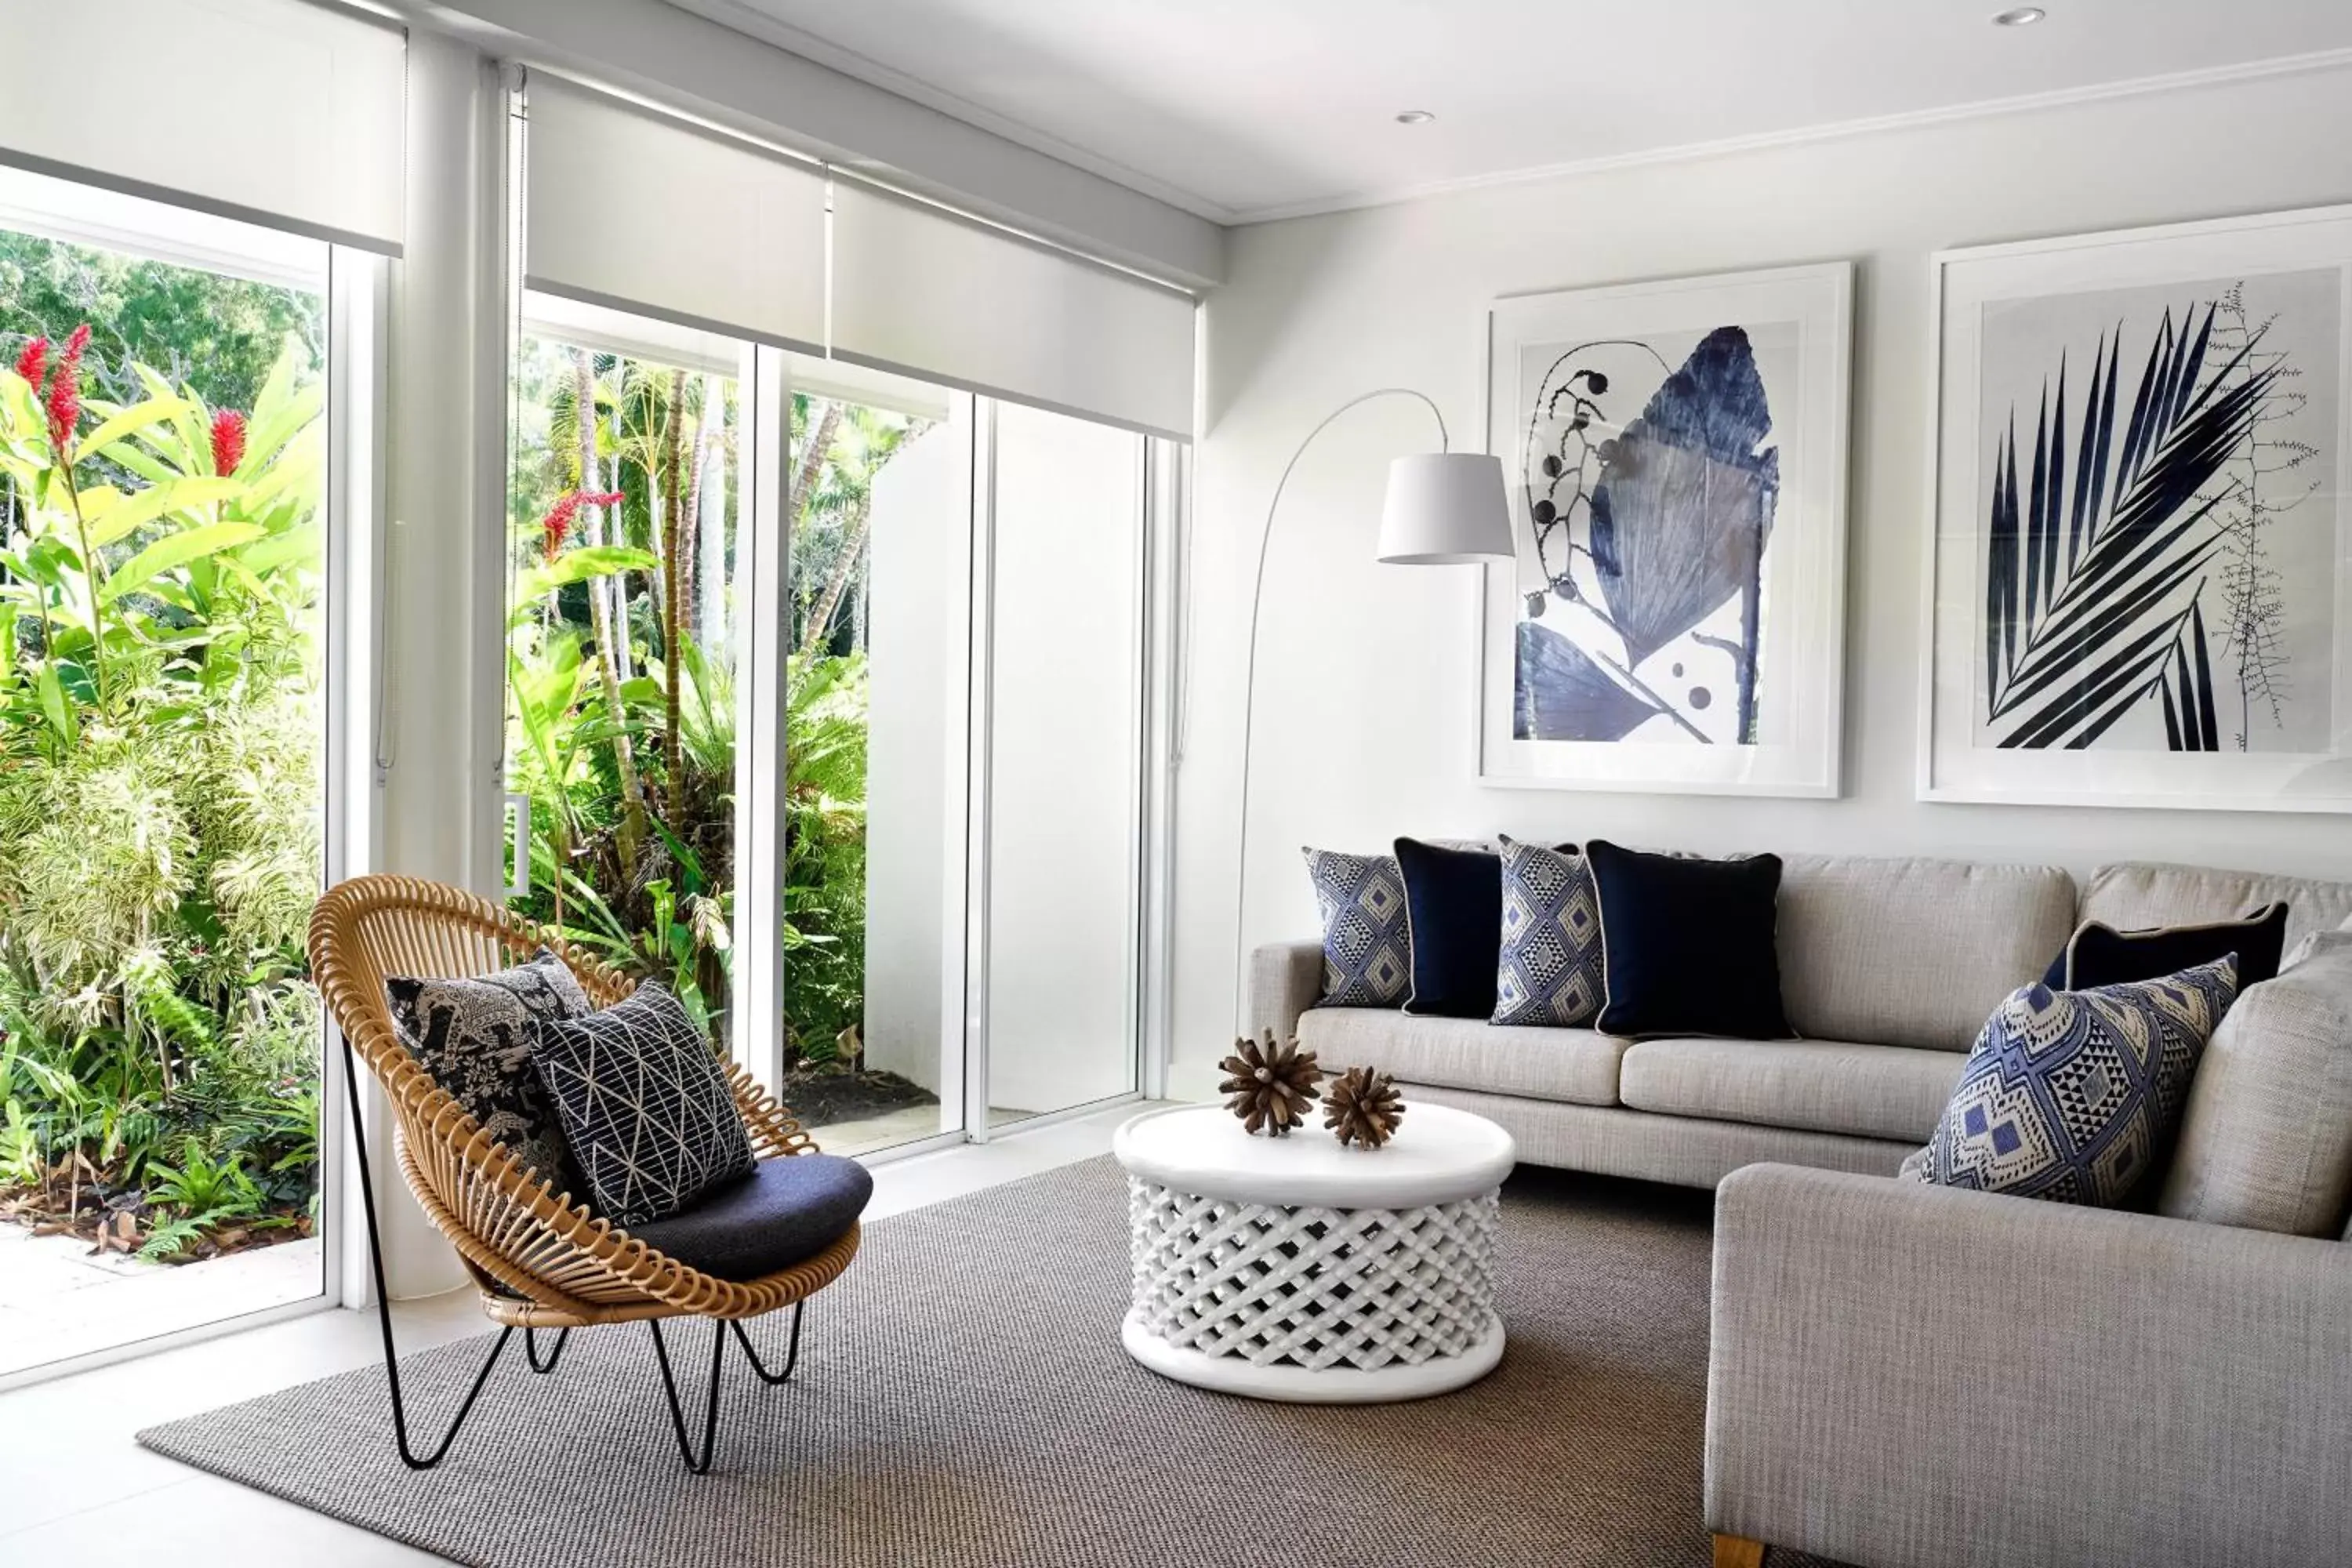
(1907, 1376)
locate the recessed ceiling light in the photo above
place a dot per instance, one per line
(1416, 117)
(2020, 16)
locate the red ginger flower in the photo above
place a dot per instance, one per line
(33, 364)
(65, 392)
(557, 524)
(228, 441)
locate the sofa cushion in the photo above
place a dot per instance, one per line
(1816, 1086)
(2073, 1096)
(1573, 1065)
(1686, 944)
(1366, 953)
(2266, 1141)
(1453, 909)
(1548, 972)
(2098, 955)
(2138, 893)
(1909, 951)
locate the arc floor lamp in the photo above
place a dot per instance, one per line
(1443, 508)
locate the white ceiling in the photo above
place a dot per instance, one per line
(1240, 110)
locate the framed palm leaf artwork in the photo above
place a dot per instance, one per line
(1675, 456)
(2142, 561)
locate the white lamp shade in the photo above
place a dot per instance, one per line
(1446, 507)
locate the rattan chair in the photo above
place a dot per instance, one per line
(539, 1260)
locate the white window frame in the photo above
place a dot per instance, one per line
(355, 285)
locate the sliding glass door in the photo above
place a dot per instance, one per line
(166, 575)
(893, 694)
(625, 612)
(1064, 752)
(873, 800)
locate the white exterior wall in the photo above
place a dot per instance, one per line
(916, 674)
(1065, 693)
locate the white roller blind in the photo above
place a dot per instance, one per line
(626, 208)
(276, 110)
(920, 290)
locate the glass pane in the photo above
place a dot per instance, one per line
(621, 653)
(874, 766)
(161, 779)
(1066, 723)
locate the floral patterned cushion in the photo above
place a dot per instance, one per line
(475, 1037)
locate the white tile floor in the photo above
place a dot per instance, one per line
(58, 1299)
(76, 1490)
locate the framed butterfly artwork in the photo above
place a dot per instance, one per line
(1675, 457)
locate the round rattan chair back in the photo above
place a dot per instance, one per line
(540, 1258)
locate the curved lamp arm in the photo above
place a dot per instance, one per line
(1249, 674)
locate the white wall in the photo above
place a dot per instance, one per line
(1366, 673)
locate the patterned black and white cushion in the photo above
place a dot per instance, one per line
(1550, 971)
(475, 1037)
(651, 1121)
(1367, 951)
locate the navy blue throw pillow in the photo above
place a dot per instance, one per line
(2101, 955)
(1687, 946)
(1453, 909)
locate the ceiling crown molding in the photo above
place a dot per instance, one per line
(1985, 108)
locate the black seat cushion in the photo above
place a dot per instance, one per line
(785, 1212)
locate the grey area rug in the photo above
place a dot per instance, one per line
(962, 1399)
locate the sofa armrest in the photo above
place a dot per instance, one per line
(1285, 978)
(1907, 1376)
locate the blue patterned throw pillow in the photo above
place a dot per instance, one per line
(1366, 953)
(2073, 1095)
(1550, 971)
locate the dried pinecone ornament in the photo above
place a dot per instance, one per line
(1268, 1084)
(1362, 1107)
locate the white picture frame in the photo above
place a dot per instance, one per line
(1999, 723)
(1617, 687)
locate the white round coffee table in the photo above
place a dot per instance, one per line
(1300, 1268)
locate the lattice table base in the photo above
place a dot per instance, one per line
(1312, 1304)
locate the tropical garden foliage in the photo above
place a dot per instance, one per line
(161, 452)
(621, 668)
(160, 755)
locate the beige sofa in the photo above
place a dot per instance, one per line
(1910, 1376)
(1888, 967)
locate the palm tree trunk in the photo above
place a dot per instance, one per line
(689, 559)
(603, 617)
(818, 447)
(672, 601)
(617, 585)
(843, 568)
